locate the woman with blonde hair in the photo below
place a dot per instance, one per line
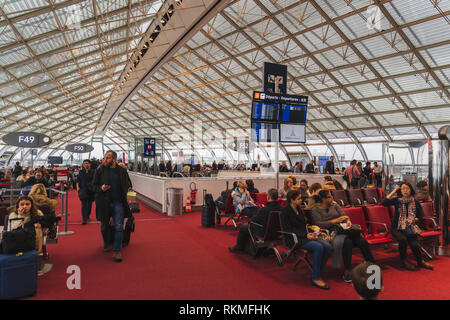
(288, 186)
(39, 195)
(242, 200)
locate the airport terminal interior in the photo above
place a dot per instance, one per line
(224, 149)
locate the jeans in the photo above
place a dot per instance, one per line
(118, 216)
(86, 207)
(321, 252)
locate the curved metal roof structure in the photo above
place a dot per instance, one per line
(374, 70)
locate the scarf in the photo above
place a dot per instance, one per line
(407, 216)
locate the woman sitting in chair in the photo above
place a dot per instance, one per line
(26, 209)
(242, 200)
(293, 221)
(288, 186)
(407, 211)
(329, 215)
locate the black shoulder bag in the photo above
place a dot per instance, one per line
(18, 240)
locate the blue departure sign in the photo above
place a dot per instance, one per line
(149, 147)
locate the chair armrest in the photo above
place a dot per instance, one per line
(383, 224)
(359, 200)
(294, 236)
(256, 224)
(343, 204)
(432, 219)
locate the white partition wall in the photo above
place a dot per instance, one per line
(155, 188)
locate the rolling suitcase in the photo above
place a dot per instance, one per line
(18, 275)
(208, 210)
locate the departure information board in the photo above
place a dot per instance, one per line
(278, 117)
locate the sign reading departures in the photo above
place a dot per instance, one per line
(27, 139)
(79, 148)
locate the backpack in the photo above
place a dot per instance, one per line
(346, 177)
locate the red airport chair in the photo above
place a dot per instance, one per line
(355, 197)
(356, 215)
(340, 196)
(261, 199)
(272, 236)
(371, 195)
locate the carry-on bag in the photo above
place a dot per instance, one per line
(128, 227)
(18, 240)
(208, 210)
(18, 275)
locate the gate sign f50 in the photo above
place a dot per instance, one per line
(149, 147)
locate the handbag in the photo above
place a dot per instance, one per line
(18, 240)
(316, 229)
(412, 230)
(353, 232)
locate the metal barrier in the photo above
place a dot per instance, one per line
(14, 194)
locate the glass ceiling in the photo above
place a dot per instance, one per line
(372, 73)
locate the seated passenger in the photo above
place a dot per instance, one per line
(329, 184)
(423, 193)
(242, 200)
(39, 195)
(294, 182)
(187, 170)
(328, 215)
(293, 221)
(304, 191)
(360, 279)
(23, 177)
(26, 209)
(251, 186)
(407, 212)
(8, 177)
(261, 218)
(288, 186)
(37, 178)
(314, 190)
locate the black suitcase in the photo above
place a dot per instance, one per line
(18, 240)
(129, 228)
(208, 210)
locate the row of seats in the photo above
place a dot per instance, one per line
(344, 198)
(357, 197)
(375, 222)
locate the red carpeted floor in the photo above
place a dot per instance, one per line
(174, 258)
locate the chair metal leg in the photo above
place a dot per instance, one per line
(426, 252)
(308, 263)
(280, 260)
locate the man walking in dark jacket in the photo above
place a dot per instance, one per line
(260, 218)
(85, 190)
(112, 183)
